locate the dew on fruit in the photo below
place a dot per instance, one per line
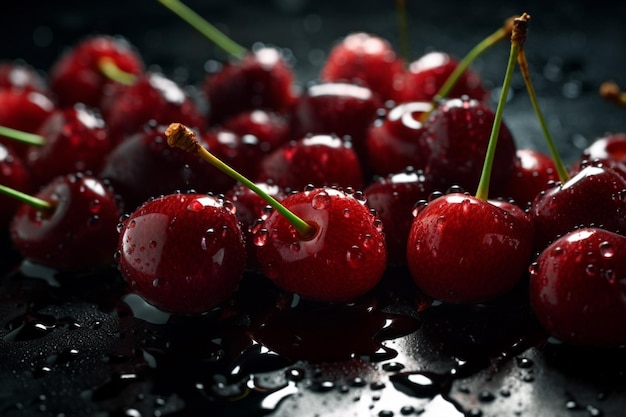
(320, 201)
(295, 247)
(195, 205)
(260, 236)
(355, 257)
(606, 249)
(346, 213)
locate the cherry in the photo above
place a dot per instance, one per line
(576, 288)
(322, 243)
(393, 197)
(467, 249)
(395, 142)
(153, 97)
(21, 76)
(367, 59)
(75, 140)
(69, 224)
(183, 253)
(82, 74)
(592, 197)
(315, 159)
(143, 166)
(609, 149)
(13, 174)
(270, 128)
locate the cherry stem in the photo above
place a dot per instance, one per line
(37, 203)
(180, 136)
(22, 137)
(518, 36)
(502, 33)
(207, 29)
(610, 91)
(558, 162)
(403, 29)
(110, 69)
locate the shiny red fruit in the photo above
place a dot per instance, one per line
(77, 76)
(577, 288)
(183, 253)
(21, 76)
(13, 174)
(366, 59)
(465, 250)
(344, 259)
(79, 231)
(270, 128)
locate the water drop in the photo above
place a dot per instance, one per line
(355, 257)
(195, 206)
(259, 237)
(320, 201)
(606, 249)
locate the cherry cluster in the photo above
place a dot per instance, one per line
(365, 170)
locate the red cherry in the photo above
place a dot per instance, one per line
(21, 76)
(533, 173)
(367, 59)
(13, 174)
(77, 76)
(261, 80)
(152, 98)
(344, 258)
(458, 134)
(610, 150)
(270, 128)
(393, 198)
(426, 75)
(317, 159)
(75, 140)
(183, 253)
(593, 197)
(75, 231)
(465, 250)
(396, 142)
(577, 288)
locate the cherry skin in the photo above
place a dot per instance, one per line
(77, 75)
(261, 80)
(593, 197)
(270, 128)
(343, 259)
(183, 253)
(316, 159)
(78, 232)
(365, 59)
(395, 142)
(458, 135)
(465, 250)
(13, 174)
(610, 150)
(76, 140)
(21, 76)
(577, 288)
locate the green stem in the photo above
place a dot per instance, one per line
(22, 137)
(482, 192)
(403, 29)
(110, 69)
(558, 162)
(38, 203)
(207, 29)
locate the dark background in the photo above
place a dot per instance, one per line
(572, 46)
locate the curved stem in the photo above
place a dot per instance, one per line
(207, 29)
(517, 39)
(38, 203)
(182, 137)
(556, 158)
(22, 137)
(110, 69)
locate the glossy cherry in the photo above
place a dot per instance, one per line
(183, 253)
(77, 229)
(21, 76)
(13, 174)
(577, 288)
(270, 128)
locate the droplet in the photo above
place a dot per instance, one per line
(195, 205)
(320, 201)
(259, 238)
(355, 257)
(606, 249)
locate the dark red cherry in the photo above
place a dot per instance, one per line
(458, 135)
(183, 253)
(592, 197)
(342, 260)
(462, 249)
(76, 140)
(610, 150)
(396, 141)
(13, 174)
(78, 231)
(261, 80)
(366, 59)
(21, 76)
(317, 159)
(77, 76)
(144, 166)
(425, 76)
(152, 98)
(270, 128)
(394, 197)
(577, 288)
(533, 173)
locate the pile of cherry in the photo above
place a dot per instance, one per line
(380, 178)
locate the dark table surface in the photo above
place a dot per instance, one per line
(81, 346)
